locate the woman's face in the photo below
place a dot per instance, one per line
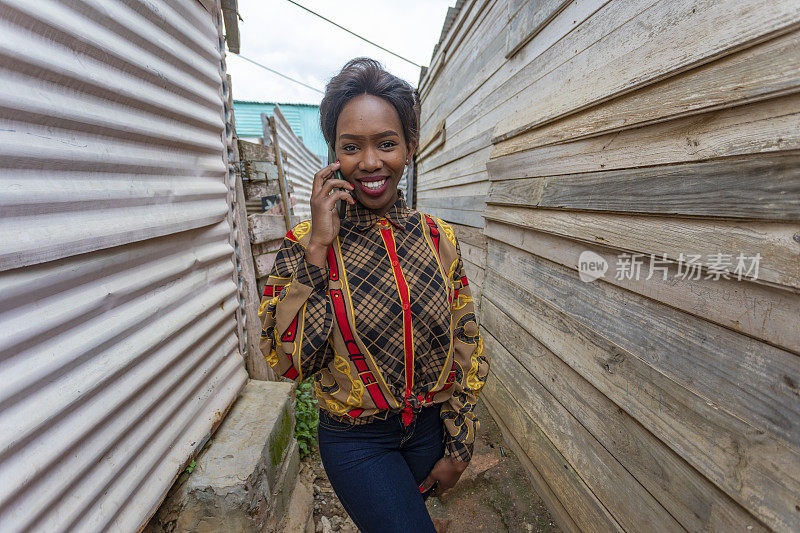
(372, 150)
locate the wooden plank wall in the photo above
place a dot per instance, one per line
(666, 128)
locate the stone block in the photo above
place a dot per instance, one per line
(245, 474)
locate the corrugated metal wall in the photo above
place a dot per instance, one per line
(300, 164)
(118, 345)
(659, 138)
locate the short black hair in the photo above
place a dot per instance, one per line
(363, 75)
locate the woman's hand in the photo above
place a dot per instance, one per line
(446, 471)
(324, 218)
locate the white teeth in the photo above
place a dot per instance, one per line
(374, 185)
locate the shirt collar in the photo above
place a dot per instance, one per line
(364, 218)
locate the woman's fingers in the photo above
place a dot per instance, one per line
(444, 474)
(334, 183)
(427, 484)
(322, 175)
(324, 220)
(330, 201)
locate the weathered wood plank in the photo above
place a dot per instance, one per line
(265, 227)
(560, 515)
(468, 234)
(479, 142)
(583, 507)
(770, 126)
(473, 253)
(669, 237)
(265, 247)
(712, 188)
(270, 126)
(632, 506)
(458, 35)
(480, 188)
(449, 59)
(689, 34)
(258, 189)
(475, 274)
(261, 171)
(452, 40)
(529, 20)
(468, 218)
(766, 70)
(693, 500)
(466, 203)
(574, 29)
(257, 367)
(766, 313)
(432, 143)
(473, 162)
(467, 179)
(257, 152)
(635, 362)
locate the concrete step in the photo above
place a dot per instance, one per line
(247, 472)
(299, 516)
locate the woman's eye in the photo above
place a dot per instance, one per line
(348, 147)
(388, 144)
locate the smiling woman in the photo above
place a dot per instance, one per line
(376, 306)
(374, 159)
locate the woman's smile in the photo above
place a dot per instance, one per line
(373, 185)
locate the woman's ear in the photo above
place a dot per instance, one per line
(411, 148)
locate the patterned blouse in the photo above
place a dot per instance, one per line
(387, 327)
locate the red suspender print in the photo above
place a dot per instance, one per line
(332, 266)
(289, 336)
(358, 359)
(405, 299)
(272, 290)
(434, 232)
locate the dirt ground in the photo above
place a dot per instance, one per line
(494, 494)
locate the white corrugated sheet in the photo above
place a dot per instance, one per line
(118, 346)
(300, 167)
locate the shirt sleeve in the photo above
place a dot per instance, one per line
(296, 315)
(472, 368)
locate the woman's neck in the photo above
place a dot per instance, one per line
(385, 209)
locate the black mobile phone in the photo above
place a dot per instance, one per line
(341, 205)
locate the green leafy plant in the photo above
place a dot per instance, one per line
(191, 467)
(307, 417)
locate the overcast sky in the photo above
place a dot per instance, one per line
(291, 40)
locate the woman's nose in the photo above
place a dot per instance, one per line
(370, 160)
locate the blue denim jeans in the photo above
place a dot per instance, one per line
(376, 468)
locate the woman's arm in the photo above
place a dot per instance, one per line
(296, 314)
(472, 367)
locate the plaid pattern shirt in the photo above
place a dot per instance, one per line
(387, 327)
